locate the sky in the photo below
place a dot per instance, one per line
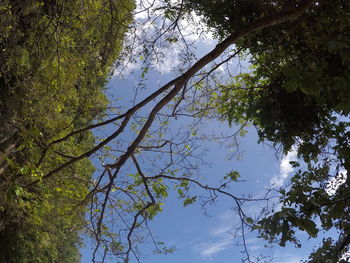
(208, 238)
(196, 236)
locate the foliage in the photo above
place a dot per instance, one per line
(297, 94)
(55, 59)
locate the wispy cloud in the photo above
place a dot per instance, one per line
(290, 259)
(221, 230)
(254, 244)
(148, 25)
(220, 237)
(286, 258)
(285, 168)
(223, 237)
(208, 250)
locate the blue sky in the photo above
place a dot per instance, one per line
(209, 238)
(200, 238)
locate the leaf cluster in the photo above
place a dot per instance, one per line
(297, 94)
(55, 59)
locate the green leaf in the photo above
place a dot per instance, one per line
(233, 175)
(160, 190)
(249, 220)
(190, 200)
(291, 85)
(19, 191)
(181, 193)
(285, 229)
(307, 225)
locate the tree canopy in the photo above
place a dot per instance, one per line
(297, 94)
(56, 59)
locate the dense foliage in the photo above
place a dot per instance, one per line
(298, 94)
(55, 59)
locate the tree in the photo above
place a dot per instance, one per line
(135, 192)
(138, 197)
(55, 60)
(297, 95)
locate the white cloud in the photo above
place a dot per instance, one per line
(334, 183)
(148, 23)
(207, 250)
(170, 60)
(226, 222)
(253, 241)
(221, 237)
(196, 30)
(254, 244)
(220, 230)
(290, 259)
(191, 33)
(346, 255)
(285, 168)
(227, 215)
(255, 247)
(286, 258)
